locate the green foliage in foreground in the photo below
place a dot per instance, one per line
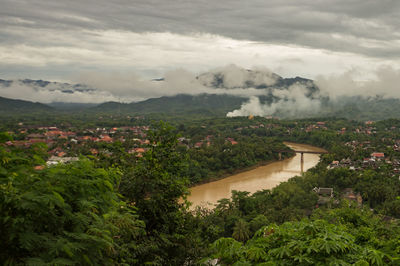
(123, 210)
(300, 243)
(64, 215)
(74, 214)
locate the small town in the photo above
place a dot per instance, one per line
(200, 133)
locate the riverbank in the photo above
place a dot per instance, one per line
(264, 175)
(258, 164)
(235, 172)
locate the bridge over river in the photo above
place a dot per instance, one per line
(302, 155)
(258, 178)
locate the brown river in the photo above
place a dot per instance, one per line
(262, 177)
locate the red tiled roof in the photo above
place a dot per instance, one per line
(54, 133)
(37, 141)
(198, 144)
(378, 154)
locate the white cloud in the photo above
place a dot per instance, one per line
(132, 87)
(22, 91)
(292, 102)
(50, 52)
(384, 82)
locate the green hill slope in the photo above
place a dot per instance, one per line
(207, 104)
(12, 106)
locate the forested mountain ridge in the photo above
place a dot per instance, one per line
(11, 105)
(275, 91)
(211, 104)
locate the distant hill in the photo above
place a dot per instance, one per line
(71, 106)
(274, 88)
(251, 79)
(207, 104)
(10, 105)
(359, 108)
(204, 104)
(212, 104)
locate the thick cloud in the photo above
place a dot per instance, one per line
(385, 83)
(231, 77)
(128, 86)
(56, 39)
(295, 101)
(132, 87)
(53, 93)
(367, 27)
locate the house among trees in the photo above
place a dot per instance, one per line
(324, 194)
(368, 161)
(349, 195)
(333, 164)
(36, 136)
(198, 144)
(56, 160)
(378, 156)
(232, 141)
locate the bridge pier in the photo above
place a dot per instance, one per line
(302, 155)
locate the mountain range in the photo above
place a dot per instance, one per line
(276, 92)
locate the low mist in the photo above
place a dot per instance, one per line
(336, 90)
(267, 93)
(289, 103)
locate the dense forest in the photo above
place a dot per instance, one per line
(126, 204)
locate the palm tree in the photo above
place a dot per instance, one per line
(241, 231)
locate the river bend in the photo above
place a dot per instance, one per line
(262, 177)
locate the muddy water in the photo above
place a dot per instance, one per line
(262, 177)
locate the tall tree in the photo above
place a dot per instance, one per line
(241, 231)
(157, 186)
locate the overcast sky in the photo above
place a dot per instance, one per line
(62, 40)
